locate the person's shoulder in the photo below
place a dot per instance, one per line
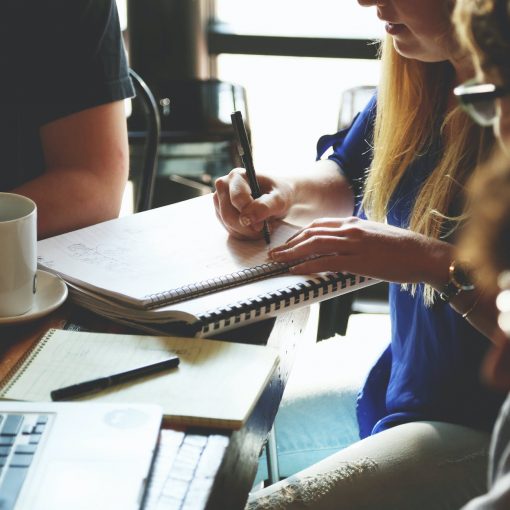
(74, 17)
(54, 20)
(363, 122)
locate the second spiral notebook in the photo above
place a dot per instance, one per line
(216, 384)
(177, 266)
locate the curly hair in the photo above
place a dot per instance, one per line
(484, 27)
(486, 241)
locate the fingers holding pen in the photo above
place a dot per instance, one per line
(256, 213)
(228, 204)
(220, 213)
(239, 192)
(241, 215)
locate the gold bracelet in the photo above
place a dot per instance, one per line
(472, 307)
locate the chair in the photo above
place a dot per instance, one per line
(353, 100)
(148, 159)
(198, 143)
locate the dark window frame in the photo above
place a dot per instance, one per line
(222, 38)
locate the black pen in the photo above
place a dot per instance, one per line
(247, 159)
(102, 383)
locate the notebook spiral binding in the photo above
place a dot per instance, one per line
(21, 365)
(266, 304)
(197, 289)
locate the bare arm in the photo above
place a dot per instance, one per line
(477, 306)
(481, 312)
(384, 252)
(86, 158)
(321, 190)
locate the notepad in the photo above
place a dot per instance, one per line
(178, 265)
(217, 383)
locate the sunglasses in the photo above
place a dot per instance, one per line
(478, 100)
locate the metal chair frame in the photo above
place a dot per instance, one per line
(145, 192)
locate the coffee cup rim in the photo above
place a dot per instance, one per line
(25, 199)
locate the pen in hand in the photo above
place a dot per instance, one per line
(102, 383)
(247, 159)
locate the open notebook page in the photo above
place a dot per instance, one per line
(216, 383)
(154, 251)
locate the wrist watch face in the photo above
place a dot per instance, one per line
(461, 278)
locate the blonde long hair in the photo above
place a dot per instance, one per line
(412, 97)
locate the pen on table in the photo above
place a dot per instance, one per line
(102, 383)
(247, 159)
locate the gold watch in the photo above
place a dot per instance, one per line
(459, 280)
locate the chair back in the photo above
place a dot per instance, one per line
(151, 136)
(353, 101)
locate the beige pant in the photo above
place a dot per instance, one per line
(415, 466)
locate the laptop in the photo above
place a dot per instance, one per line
(56, 456)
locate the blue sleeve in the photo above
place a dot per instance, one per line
(352, 148)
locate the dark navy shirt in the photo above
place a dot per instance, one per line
(57, 57)
(431, 369)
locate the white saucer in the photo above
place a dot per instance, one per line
(51, 293)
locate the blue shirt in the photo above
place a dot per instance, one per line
(431, 369)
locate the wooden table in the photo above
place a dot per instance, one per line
(238, 466)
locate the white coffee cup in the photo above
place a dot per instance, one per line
(18, 254)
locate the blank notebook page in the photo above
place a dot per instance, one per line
(216, 383)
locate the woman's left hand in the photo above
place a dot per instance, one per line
(366, 248)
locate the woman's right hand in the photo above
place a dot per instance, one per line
(242, 215)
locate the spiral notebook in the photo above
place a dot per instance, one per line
(217, 383)
(177, 266)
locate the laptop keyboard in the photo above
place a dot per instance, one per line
(184, 470)
(183, 473)
(20, 435)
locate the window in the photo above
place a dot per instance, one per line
(311, 18)
(292, 101)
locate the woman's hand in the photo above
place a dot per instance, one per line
(366, 248)
(244, 216)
